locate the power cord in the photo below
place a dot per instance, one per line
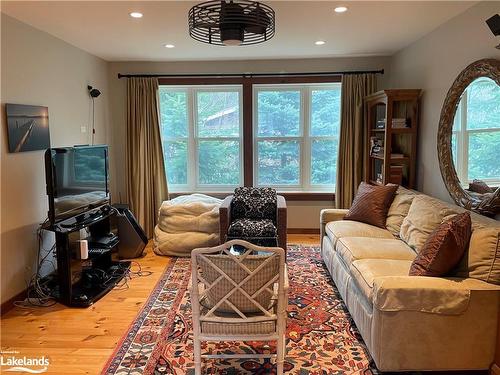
(38, 293)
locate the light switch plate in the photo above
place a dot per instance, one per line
(83, 129)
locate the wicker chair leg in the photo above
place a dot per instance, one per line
(280, 357)
(197, 357)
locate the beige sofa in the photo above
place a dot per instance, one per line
(410, 322)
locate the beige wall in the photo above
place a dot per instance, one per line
(39, 69)
(432, 63)
(301, 214)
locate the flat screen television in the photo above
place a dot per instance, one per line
(77, 180)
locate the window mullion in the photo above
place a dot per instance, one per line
(193, 144)
(306, 131)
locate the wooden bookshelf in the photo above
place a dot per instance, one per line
(397, 111)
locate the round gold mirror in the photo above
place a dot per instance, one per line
(469, 138)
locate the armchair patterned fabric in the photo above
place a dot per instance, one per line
(257, 215)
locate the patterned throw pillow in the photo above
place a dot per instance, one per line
(371, 204)
(444, 248)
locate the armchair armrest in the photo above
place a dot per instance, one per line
(281, 221)
(450, 296)
(224, 218)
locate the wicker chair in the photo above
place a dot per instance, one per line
(256, 215)
(239, 292)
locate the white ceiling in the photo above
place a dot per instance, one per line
(105, 29)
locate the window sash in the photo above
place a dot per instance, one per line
(462, 139)
(305, 138)
(193, 139)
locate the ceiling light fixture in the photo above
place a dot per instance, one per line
(231, 22)
(319, 42)
(169, 46)
(340, 9)
(135, 14)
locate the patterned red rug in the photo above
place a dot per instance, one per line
(321, 337)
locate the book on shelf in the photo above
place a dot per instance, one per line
(400, 123)
(397, 156)
(380, 124)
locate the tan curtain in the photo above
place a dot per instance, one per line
(147, 183)
(350, 164)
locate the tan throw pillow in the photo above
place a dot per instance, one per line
(371, 203)
(482, 260)
(444, 248)
(424, 216)
(399, 209)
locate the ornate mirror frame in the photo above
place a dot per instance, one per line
(488, 205)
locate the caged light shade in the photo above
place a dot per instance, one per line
(233, 22)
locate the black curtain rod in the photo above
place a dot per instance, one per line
(251, 75)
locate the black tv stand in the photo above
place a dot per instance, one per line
(81, 282)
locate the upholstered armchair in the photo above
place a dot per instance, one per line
(256, 215)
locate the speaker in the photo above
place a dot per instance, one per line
(494, 24)
(132, 237)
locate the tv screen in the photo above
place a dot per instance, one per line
(77, 180)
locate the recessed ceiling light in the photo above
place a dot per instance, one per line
(135, 14)
(340, 9)
(319, 42)
(169, 46)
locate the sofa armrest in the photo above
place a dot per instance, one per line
(329, 214)
(450, 296)
(332, 214)
(224, 218)
(281, 221)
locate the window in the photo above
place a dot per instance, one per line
(476, 133)
(296, 130)
(292, 135)
(201, 137)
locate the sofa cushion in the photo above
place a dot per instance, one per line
(425, 215)
(371, 204)
(355, 248)
(444, 248)
(399, 209)
(348, 228)
(365, 271)
(482, 259)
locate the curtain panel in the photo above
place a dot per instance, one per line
(146, 183)
(350, 163)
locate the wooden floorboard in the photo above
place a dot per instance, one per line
(80, 341)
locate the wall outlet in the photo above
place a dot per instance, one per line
(83, 129)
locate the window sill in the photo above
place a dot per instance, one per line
(289, 196)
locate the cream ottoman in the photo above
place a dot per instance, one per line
(185, 223)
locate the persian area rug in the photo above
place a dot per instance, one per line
(321, 337)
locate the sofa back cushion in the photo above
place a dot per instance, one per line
(444, 248)
(482, 259)
(425, 215)
(399, 209)
(371, 204)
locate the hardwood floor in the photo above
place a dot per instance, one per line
(80, 341)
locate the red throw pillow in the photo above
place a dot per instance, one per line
(444, 248)
(371, 204)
